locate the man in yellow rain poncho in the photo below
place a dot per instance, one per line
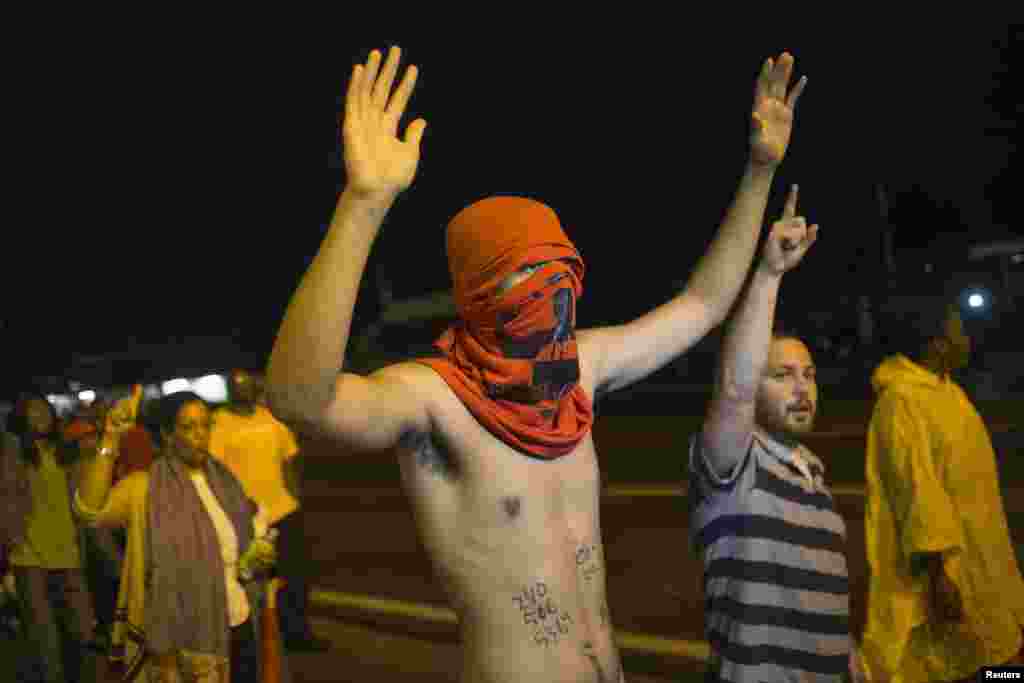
(945, 595)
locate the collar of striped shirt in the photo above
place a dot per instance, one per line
(787, 454)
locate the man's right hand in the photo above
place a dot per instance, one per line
(377, 163)
(789, 240)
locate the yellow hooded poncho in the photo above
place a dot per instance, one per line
(933, 487)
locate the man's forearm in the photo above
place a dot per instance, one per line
(310, 347)
(731, 415)
(746, 344)
(719, 276)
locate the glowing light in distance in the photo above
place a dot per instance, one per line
(175, 385)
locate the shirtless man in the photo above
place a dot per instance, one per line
(493, 436)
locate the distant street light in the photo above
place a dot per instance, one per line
(975, 300)
(175, 385)
(212, 388)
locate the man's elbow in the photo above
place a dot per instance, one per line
(712, 304)
(735, 389)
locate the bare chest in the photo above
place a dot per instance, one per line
(516, 542)
(494, 489)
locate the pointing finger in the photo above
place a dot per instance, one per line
(790, 210)
(136, 399)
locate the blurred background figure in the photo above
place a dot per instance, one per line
(103, 551)
(48, 557)
(263, 453)
(15, 497)
(15, 505)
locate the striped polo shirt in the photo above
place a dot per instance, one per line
(776, 590)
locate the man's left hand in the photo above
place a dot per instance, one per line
(772, 118)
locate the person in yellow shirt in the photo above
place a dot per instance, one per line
(945, 595)
(263, 453)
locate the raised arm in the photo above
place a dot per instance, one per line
(730, 420)
(304, 388)
(98, 471)
(627, 353)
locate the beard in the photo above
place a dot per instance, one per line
(799, 418)
(798, 424)
(792, 423)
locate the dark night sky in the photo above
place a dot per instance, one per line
(637, 143)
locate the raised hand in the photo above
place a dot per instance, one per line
(789, 239)
(772, 118)
(377, 162)
(123, 414)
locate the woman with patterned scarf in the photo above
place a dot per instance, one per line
(192, 533)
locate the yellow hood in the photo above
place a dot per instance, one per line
(900, 370)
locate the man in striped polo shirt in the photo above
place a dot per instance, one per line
(762, 519)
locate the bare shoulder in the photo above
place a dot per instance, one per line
(416, 381)
(371, 413)
(591, 341)
(415, 376)
(592, 345)
(430, 449)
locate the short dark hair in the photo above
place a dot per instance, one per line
(782, 330)
(911, 317)
(162, 415)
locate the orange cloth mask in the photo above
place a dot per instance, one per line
(511, 358)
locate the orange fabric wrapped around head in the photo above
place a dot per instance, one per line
(511, 358)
